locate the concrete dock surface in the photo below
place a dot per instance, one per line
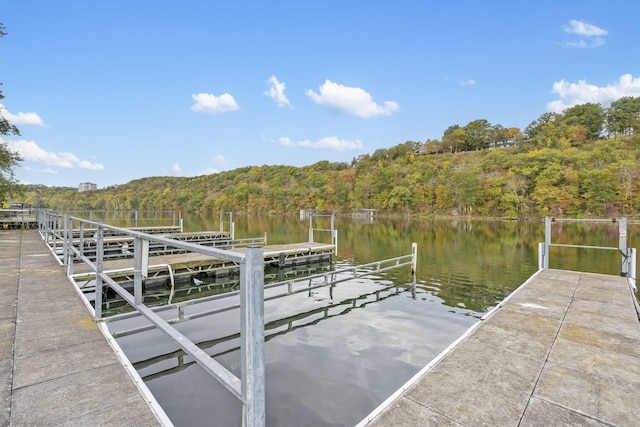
(563, 350)
(56, 367)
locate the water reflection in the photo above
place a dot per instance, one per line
(333, 354)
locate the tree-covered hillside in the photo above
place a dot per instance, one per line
(583, 162)
(594, 179)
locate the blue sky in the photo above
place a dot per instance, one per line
(111, 91)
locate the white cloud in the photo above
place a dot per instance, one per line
(210, 171)
(219, 159)
(469, 82)
(581, 93)
(327, 143)
(584, 29)
(352, 100)
(21, 118)
(593, 36)
(31, 152)
(276, 92)
(176, 169)
(49, 171)
(208, 103)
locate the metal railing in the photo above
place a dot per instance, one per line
(628, 255)
(293, 286)
(251, 389)
(332, 230)
(133, 218)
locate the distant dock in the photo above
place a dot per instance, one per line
(564, 349)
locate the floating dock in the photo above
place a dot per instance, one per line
(187, 265)
(564, 349)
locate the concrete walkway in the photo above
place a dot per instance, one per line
(56, 367)
(564, 350)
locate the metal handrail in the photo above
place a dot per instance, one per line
(628, 263)
(251, 389)
(321, 280)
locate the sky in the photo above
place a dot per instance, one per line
(111, 91)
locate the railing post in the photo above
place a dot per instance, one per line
(622, 246)
(547, 242)
(414, 257)
(541, 255)
(81, 231)
(632, 268)
(99, 268)
(252, 337)
(65, 239)
(137, 271)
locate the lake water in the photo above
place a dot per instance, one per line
(333, 355)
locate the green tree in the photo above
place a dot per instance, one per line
(623, 116)
(590, 116)
(477, 133)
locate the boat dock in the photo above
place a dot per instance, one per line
(57, 367)
(564, 349)
(187, 265)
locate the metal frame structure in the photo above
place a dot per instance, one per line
(58, 231)
(250, 390)
(628, 262)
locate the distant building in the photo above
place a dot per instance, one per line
(87, 186)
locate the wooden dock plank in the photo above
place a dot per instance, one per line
(564, 349)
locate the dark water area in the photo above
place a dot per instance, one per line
(334, 354)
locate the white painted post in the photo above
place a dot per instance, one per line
(547, 241)
(622, 246)
(414, 257)
(252, 337)
(99, 268)
(65, 239)
(137, 271)
(632, 268)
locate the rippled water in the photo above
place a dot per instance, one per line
(333, 355)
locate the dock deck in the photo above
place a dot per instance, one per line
(56, 366)
(189, 264)
(564, 349)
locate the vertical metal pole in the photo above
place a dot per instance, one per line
(70, 253)
(137, 271)
(81, 238)
(252, 337)
(232, 227)
(547, 241)
(221, 223)
(311, 228)
(99, 268)
(622, 246)
(65, 241)
(632, 268)
(335, 242)
(541, 255)
(414, 257)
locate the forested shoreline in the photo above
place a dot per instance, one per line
(584, 162)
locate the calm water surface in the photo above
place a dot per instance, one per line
(333, 355)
